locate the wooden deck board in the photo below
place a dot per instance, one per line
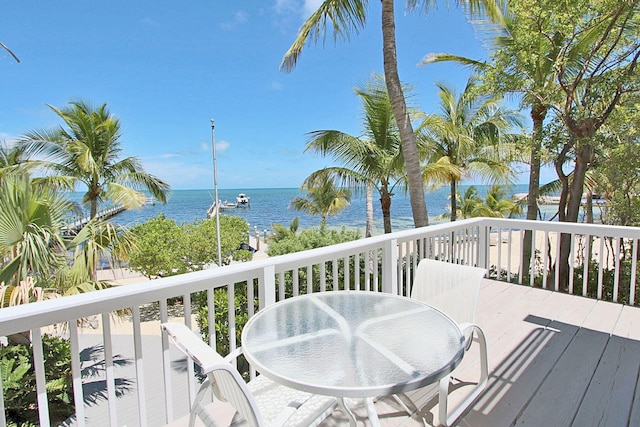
(609, 397)
(556, 401)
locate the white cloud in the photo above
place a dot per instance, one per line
(180, 175)
(299, 8)
(8, 139)
(309, 7)
(276, 85)
(222, 145)
(239, 18)
(286, 6)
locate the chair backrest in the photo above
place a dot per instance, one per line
(224, 379)
(451, 288)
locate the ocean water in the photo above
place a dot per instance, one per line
(271, 205)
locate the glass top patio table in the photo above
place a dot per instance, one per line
(352, 344)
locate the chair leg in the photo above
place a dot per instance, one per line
(402, 404)
(449, 419)
(198, 408)
(443, 396)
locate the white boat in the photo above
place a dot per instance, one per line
(228, 205)
(242, 200)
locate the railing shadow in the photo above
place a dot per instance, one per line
(563, 373)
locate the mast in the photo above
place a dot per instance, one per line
(215, 192)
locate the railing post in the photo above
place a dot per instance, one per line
(267, 286)
(483, 244)
(390, 267)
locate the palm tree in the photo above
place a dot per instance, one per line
(374, 159)
(467, 204)
(87, 152)
(322, 198)
(345, 16)
(522, 62)
(497, 205)
(31, 221)
(469, 137)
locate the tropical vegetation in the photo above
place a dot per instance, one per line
(469, 137)
(87, 151)
(346, 16)
(165, 248)
(373, 160)
(322, 197)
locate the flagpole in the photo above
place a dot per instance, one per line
(215, 192)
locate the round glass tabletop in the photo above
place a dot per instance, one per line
(352, 343)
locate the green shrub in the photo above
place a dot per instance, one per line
(19, 381)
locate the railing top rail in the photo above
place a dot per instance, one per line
(576, 228)
(29, 316)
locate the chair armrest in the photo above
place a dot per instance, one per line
(233, 355)
(468, 331)
(193, 346)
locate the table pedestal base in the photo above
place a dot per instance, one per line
(371, 412)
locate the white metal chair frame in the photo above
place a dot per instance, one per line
(294, 408)
(435, 279)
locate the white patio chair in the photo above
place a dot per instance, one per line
(454, 289)
(259, 403)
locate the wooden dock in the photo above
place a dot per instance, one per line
(75, 226)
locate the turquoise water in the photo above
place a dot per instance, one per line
(271, 205)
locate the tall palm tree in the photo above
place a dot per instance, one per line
(522, 61)
(346, 16)
(469, 135)
(87, 151)
(375, 158)
(322, 198)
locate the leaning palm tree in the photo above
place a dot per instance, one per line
(345, 16)
(322, 197)
(470, 133)
(374, 159)
(87, 151)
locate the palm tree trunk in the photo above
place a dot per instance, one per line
(93, 206)
(454, 204)
(583, 158)
(369, 227)
(385, 203)
(399, 106)
(538, 113)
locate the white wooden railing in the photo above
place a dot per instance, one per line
(382, 263)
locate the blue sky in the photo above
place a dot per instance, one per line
(166, 68)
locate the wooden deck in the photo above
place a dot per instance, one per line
(554, 360)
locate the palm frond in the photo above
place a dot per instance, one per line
(341, 16)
